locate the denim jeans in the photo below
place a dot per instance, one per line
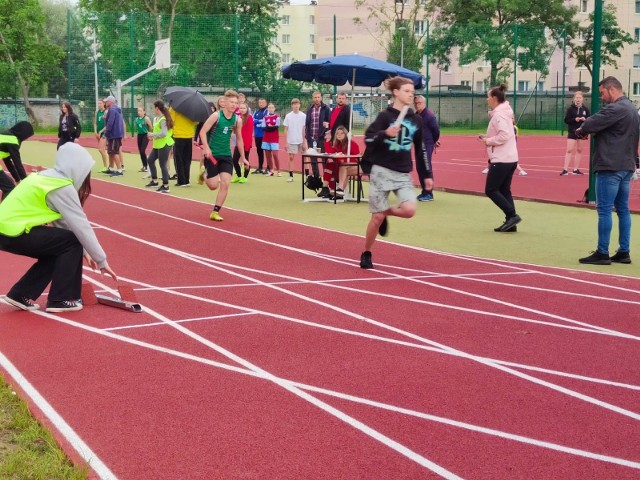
(612, 190)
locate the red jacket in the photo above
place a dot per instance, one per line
(247, 133)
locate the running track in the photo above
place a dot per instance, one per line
(265, 352)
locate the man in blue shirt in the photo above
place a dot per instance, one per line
(114, 133)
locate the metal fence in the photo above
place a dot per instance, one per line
(214, 53)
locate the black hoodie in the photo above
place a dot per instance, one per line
(22, 131)
(395, 153)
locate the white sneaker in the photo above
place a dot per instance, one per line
(486, 170)
(522, 173)
(290, 179)
(279, 174)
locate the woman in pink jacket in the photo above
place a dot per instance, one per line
(503, 157)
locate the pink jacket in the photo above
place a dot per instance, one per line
(501, 138)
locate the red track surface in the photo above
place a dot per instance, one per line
(460, 161)
(265, 352)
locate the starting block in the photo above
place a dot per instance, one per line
(127, 300)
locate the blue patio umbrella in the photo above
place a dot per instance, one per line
(357, 70)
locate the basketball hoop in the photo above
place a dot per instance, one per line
(173, 69)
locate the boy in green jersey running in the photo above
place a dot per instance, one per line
(217, 149)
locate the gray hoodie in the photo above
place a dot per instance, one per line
(75, 163)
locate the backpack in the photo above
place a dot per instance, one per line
(313, 183)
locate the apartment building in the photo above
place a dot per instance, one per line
(320, 28)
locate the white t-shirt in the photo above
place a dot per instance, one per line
(295, 126)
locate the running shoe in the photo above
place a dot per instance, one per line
(215, 216)
(63, 306)
(21, 302)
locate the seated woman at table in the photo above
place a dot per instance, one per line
(339, 147)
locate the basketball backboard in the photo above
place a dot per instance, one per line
(163, 53)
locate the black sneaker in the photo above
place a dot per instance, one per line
(596, 258)
(621, 257)
(384, 226)
(564, 173)
(258, 171)
(577, 172)
(509, 223)
(21, 302)
(173, 177)
(151, 184)
(163, 189)
(365, 260)
(325, 193)
(510, 230)
(63, 306)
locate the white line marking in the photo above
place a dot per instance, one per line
(61, 425)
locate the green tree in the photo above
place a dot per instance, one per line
(395, 29)
(580, 46)
(28, 58)
(487, 30)
(228, 43)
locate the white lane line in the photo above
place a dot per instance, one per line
(352, 398)
(185, 320)
(350, 262)
(349, 420)
(251, 311)
(58, 422)
(474, 358)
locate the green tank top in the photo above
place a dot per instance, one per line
(220, 141)
(27, 207)
(159, 143)
(100, 121)
(141, 125)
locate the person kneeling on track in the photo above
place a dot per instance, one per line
(54, 196)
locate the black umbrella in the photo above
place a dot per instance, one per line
(189, 102)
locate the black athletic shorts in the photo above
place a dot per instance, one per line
(221, 165)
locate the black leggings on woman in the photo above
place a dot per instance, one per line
(498, 186)
(143, 142)
(236, 163)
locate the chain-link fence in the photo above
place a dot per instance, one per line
(213, 53)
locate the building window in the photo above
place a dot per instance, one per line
(314, 56)
(540, 86)
(637, 6)
(636, 34)
(465, 83)
(403, 2)
(636, 89)
(312, 38)
(523, 85)
(286, 39)
(312, 19)
(286, 58)
(636, 60)
(418, 27)
(285, 20)
(584, 5)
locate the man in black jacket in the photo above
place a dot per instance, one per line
(10, 142)
(340, 116)
(616, 132)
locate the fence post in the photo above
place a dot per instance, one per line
(564, 72)
(515, 66)
(595, 98)
(68, 53)
(236, 52)
(426, 76)
(131, 72)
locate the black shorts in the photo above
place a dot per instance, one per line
(113, 145)
(222, 165)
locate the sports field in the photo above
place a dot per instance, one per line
(264, 351)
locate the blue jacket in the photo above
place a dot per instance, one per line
(114, 126)
(258, 115)
(430, 130)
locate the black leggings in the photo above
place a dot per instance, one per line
(236, 163)
(498, 186)
(143, 142)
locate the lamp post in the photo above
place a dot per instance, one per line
(401, 29)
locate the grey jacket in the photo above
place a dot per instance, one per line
(616, 128)
(75, 163)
